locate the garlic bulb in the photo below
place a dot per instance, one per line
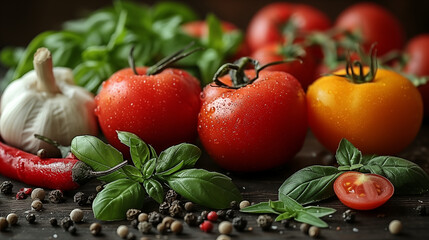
(45, 101)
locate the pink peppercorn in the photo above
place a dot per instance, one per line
(206, 226)
(212, 216)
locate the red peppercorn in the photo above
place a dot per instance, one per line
(206, 226)
(212, 216)
(20, 195)
(27, 191)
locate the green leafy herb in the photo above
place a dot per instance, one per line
(129, 185)
(287, 208)
(315, 183)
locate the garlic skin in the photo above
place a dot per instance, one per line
(62, 114)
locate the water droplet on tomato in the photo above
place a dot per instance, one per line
(212, 109)
(202, 95)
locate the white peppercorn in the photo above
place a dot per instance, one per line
(176, 227)
(122, 231)
(167, 221)
(395, 227)
(244, 204)
(304, 227)
(161, 228)
(76, 215)
(225, 227)
(95, 228)
(38, 193)
(314, 232)
(189, 206)
(223, 237)
(3, 224)
(12, 219)
(37, 205)
(143, 217)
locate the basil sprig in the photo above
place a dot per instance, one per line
(287, 208)
(150, 174)
(315, 183)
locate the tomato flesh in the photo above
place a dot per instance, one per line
(363, 191)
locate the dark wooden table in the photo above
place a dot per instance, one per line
(254, 187)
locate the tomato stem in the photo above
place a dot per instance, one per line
(131, 61)
(361, 77)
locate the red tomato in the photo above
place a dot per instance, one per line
(161, 109)
(303, 71)
(265, 26)
(417, 50)
(375, 25)
(363, 191)
(256, 127)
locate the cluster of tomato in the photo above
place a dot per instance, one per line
(256, 120)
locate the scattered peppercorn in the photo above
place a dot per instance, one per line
(225, 227)
(95, 229)
(212, 216)
(131, 236)
(154, 218)
(161, 228)
(12, 219)
(122, 231)
(265, 222)
(304, 227)
(31, 218)
(72, 230)
(37, 205)
(167, 221)
(99, 188)
(190, 219)
(164, 208)
(143, 217)
(421, 210)
(176, 209)
(53, 221)
(171, 196)
(3, 224)
(41, 153)
(234, 205)
(27, 191)
(349, 216)
(56, 196)
(314, 232)
(223, 237)
(395, 227)
(285, 223)
(200, 219)
(239, 223)
(206, 226)
(76, 215)
(38, 193)
(66, 222)
(176, 227)
(145, 227)
(20, 195)
(132, 213)
(204, 214)
(221, 214)
(80, 198)
(91, 198)
(244, 204)
(230, 213)
(189, 206)
(6, 187)
(134, 223)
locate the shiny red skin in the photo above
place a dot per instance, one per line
(264, 27)
(50, 173)
(417, 50)
(303, 71)
(377, 25)
(256, 127)
(161, 109)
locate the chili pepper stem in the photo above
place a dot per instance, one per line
(45, 76)
(82, 173)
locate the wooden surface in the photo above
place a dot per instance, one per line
(255, 188)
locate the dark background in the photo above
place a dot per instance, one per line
(20, 21)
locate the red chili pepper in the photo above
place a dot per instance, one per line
(54, 173)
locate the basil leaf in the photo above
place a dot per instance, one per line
(305, 217)
(152, 152)
(285, 215)
(262, 207)
(116, 198)
(149, 168)
(406, 176)
(319, 211)
(289, 203)
(173, 156)
(139, 150)
(154, 189)
(133, 173)
(210, 189)
(98, 155)
(310, 184)
(347, 154)
(278, 206)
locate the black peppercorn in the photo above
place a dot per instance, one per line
(56, 196)
(91, 198)
(53, 222)
(154, 218)
(80, 198)
(221, 214)
(265, 222)
(176, 209)
(164, 208)
(349, 216)
(204, 214)
(135, 223)
(31, 218)
(132, 214)
(234, 205)
(239, 223)
(66, 223)
(230, 213)
(131, 236)
(72, 230)
(145, 227)
(200, 220)
(190, 219)
(421, 210)
(171, 196)
(6, 187)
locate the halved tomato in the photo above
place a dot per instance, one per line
(363, 191)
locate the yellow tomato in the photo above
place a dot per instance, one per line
(382, 116)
